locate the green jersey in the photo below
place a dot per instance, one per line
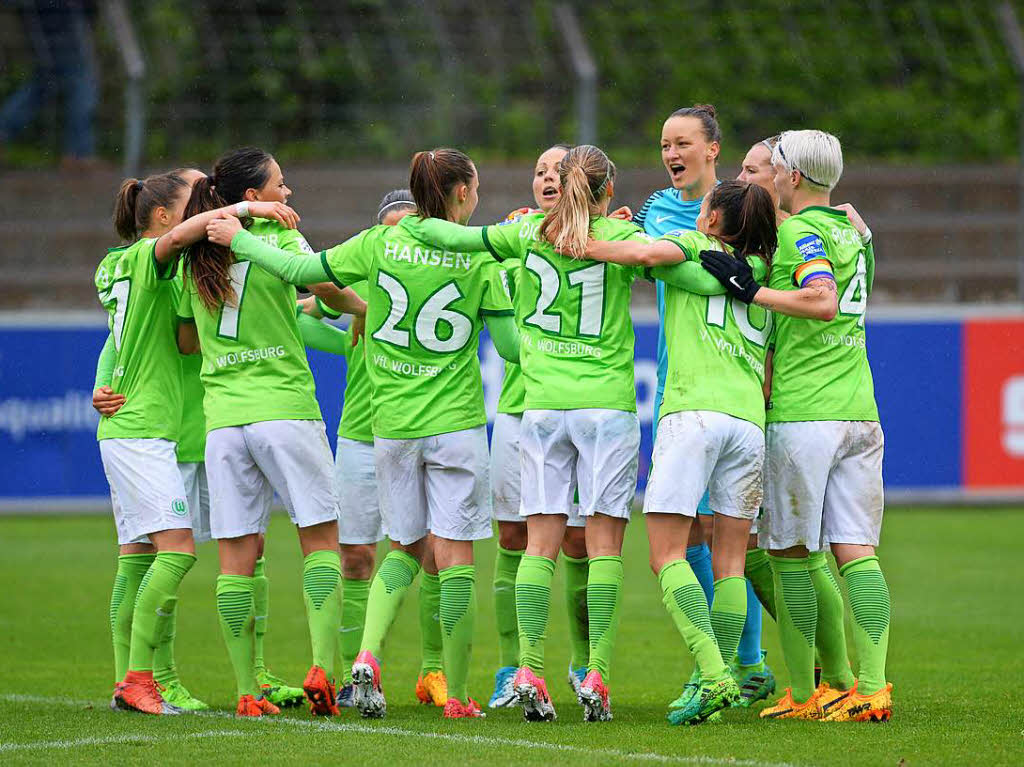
(513, 389)
(716, 344)
(356, 414)
(422, 327)
(820, 370)
(139, 295)
(254, 361)
(576, 330)
(192, 443)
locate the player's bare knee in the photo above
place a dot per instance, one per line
(357, 561)
(512, 535)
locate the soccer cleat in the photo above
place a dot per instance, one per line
(504, 693)
(320, 692)
(711, 698)
(689, 690)
(366, 682)
(455, 709)
(576, 677)
(277, 692)
(786, 708)
(432, 689)
(346, 696)
(593, 695)
(138, 692)
(829, 698)
(250, 705)
(532, 692)
(854, 707)
(178, 696)
(756, 682)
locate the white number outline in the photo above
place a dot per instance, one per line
(550, 284)
(436, 309)
(715, 316)
(113, 294)
(854, 301)
(228, 322)
(389, 332)
(590, 289)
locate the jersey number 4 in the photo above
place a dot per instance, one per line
(434, 311)
(590, 280)
(855, 298)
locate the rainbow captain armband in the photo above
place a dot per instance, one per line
(812, 270)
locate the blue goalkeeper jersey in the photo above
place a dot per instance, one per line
(664, 211)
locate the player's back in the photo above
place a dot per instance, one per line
(820, 368)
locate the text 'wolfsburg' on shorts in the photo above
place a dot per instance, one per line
(698, 449)
(245, 465)
(355, 483)
(146, 490)
(439, 484)
(823, 484)
(595, 449)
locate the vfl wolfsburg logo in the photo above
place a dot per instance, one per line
(179, 507)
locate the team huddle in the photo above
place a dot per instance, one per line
(767, 453)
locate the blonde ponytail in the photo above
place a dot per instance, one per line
(584, 173)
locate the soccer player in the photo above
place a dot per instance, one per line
(580, 425)
(136, 286)
(426, 309)
(264, 430)
(505, 484)
(824, 441)
(712, 426)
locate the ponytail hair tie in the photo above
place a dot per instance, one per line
(139, 186)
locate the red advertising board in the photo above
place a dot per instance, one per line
(993, 404)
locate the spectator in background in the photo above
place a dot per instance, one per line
(61, 36)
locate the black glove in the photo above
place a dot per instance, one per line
(734, 273)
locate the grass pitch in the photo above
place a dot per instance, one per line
(956, 659)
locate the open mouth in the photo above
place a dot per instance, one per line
(549, 192)
(677, 169)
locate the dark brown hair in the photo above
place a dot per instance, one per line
(233, 174)
(748, 218)
(137, 200)
(584, 173)
(433, 175)
(708, 120)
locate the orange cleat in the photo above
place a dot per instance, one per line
(138, 692)
(250, 705)
(830, 699)
(320, 693)
(855, 707)
(786, 708)
(456, 709)
(432, 689)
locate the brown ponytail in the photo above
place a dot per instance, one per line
(208, 263)
(136, 201)
(585, 173)
(433, 175)
(748, 218)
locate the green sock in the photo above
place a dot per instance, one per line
(164, 669)
(321, 575)
(533, 600)
(237, 618)
(131, 568)
(576, 575)
(604, 595)
(728, 614)
(387, 590)
(797, 615)
(830, 633)
(154, 605)
(683, 597)
(261, 602)
(458, 616)
(758, 571)
(871, 606)
(354, 592)
(431, 643)
(506, 565)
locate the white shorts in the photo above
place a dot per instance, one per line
(594, 448)
(437, 484)
(823, 484)
(703, 449)
(355, 483)
(146, 490)
(198, 493)
(246, 464)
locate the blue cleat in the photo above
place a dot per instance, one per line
(576, 677)
(346, 697)
(504, 692)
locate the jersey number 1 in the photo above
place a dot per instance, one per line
(228, 325)
(119, 293)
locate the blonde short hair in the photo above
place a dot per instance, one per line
(816, 154)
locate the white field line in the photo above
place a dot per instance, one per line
(327, 725)
(116, 740)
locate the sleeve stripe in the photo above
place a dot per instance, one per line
(190, 320)
(487, 243)
(327, 269)
(325, 310)
(497, 313)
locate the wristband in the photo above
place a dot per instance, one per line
(866, 237)
(242, 210)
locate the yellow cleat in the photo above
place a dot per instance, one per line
(432, 689)
(786, 708)
(830, 698)
(855, 707)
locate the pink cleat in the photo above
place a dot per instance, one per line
(366, 682)
(533, 696)
(597, 706)
(455, 709)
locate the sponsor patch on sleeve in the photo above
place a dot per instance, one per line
(811, 247)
